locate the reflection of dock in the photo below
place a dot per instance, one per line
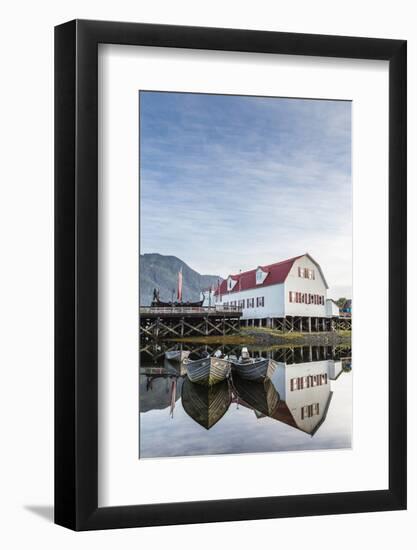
(294, 354)
(177, 322)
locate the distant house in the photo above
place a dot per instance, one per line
(332, 309)
(293, 289)
(346, 308)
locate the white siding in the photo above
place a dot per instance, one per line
(331, 309)
(297, 399)
(316, 286)
(273, 299)
(209, 298)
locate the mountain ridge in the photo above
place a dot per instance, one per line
(161, 271)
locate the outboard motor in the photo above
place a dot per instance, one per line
(245, 353)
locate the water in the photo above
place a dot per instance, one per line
(307, 404)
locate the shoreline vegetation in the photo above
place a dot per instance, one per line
(274, 337)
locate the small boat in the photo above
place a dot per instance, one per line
(205, 405)
(203, 369)
(256, 369)
(176, 355)
(159, 303)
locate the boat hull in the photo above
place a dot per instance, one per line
(208, 370)
(256, 371)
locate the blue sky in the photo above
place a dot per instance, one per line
(232, 182)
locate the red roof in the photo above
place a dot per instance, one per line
(277, 273)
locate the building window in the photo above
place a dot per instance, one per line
(260, 302)
(300, 298)
(306, 273)
(310, 410)
(310, 381)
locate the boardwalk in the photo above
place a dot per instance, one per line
(178, 322)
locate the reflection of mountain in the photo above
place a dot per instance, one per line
(158, 392)
(205, 404)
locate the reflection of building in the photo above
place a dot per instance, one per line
(335, 369)
(298, 395)
(293, 289)
(305, 395)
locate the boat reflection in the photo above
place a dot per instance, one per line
(206, 405)
(262, 398)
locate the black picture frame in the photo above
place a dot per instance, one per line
(76, 272)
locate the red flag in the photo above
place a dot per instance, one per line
(179, 292)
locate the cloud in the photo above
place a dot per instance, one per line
(230, 182)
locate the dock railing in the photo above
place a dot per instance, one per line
(184, 309)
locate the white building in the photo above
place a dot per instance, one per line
(292, 291)
(332, 309)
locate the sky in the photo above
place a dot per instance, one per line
(228, 183)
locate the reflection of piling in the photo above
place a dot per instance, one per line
(289, 355)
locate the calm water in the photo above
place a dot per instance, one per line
(306, 405)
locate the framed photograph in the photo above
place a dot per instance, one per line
(230, 275)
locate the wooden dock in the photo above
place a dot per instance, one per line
(158, 323)
(178, 322)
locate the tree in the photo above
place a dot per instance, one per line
(340, 302)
